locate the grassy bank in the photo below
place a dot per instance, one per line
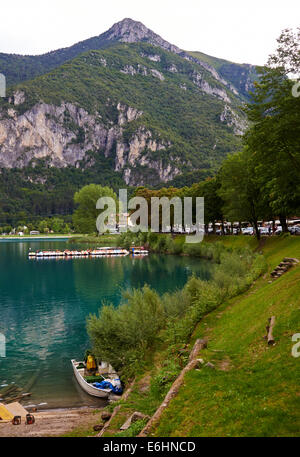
(38, 237)
(103, 240)
(253, 389)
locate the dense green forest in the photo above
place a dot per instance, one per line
(188, 120)
(262, 180)
(32, 193)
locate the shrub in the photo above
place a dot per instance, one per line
(123, 335)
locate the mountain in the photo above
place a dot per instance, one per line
(124, 107)
(18, 68)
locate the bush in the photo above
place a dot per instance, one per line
(123, 335)
(160, 383)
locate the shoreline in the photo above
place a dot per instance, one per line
(36, 237)
(55, 422)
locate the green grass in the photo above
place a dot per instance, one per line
(43, 235)
(254, 389)
(104, 240)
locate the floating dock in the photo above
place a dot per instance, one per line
(98, 252)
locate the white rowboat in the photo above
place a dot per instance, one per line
(104, 369)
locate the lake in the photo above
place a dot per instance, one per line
(44, 305)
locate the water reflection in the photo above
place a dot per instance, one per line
(44, 304)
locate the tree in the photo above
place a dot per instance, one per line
(168, 192)
(287, 55)
(240, 190)
(57, 225)
(43, 226)
(212, 201)
(85, 216)
(274, 137)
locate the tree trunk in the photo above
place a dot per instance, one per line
(257, 232)
(270, 337)
(283, 223)
(223, 229)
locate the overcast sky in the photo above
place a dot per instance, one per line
(232, 29)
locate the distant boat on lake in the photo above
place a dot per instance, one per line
(105, 251)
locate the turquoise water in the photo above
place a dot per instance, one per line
(44, 304)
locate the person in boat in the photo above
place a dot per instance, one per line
(91, 365)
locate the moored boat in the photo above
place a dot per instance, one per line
(106, 374)
(106, 251)
(138, 250)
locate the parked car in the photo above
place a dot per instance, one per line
(294, 230)
(264, 230)
(178, 229)
(247, 231)
(278, 230)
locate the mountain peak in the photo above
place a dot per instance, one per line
(131, 31)
(128, 31)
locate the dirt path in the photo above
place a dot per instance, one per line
(52, 423)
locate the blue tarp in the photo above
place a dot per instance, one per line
(108, 385)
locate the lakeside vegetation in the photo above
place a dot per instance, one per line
(248, 388)
(123, 335)
(253, 388)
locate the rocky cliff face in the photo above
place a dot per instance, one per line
(150, 110)
(64, 134)
(130, 31)
(229, 117)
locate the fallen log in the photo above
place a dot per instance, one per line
(128, 391)
(7, 390)
(17, 398)
(270, 327)
(117, 409)
(107, 424)
(193, 362)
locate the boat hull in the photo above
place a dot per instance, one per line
(88, 388)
